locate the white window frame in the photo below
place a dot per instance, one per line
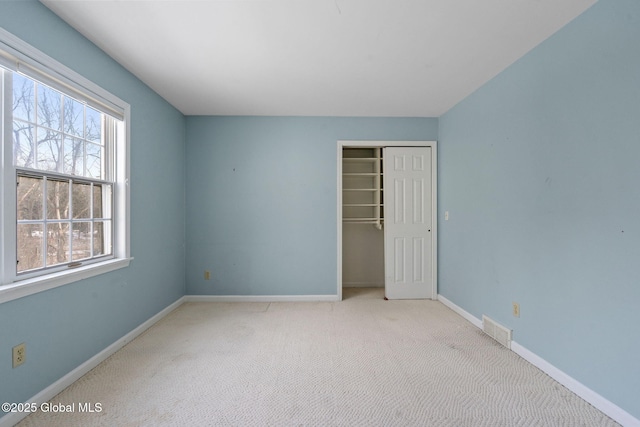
(15, 54)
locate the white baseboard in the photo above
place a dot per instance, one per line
(612, 410)
(605, 406)
(50, 392)
(260, 298)
(465, 314)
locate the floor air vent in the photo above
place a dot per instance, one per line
(496, 331)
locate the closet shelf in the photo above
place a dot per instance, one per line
(362, 186)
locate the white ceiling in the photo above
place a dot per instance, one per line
(412, 58)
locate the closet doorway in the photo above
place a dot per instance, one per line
(387, 217)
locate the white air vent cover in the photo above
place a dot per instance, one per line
(496, 331)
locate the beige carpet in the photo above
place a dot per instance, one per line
(360, 362)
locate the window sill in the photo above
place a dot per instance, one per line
(32, 286)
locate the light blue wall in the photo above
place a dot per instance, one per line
(540, 172)
(66, 326)
(261, 200)
(538, 169)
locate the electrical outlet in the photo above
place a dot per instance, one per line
(207, 275)
(516, 309)
(19, 354)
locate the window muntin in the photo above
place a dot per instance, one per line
(64, 182)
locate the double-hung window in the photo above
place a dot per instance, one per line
(64, 174)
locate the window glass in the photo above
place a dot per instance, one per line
(30, 244)
(59, 153)
(93, 129)
(48, 152)
(81, 200)
(81, 241)
(48, 107)
(73, 117)
(58, 248)
(73, 156)
(57, 199)
(24, 100)
(94, 161)
(23, 144)
(29, 198)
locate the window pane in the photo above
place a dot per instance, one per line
(73, 156)
(94, 161)
(97, 201)
(57, 199)
(101, 238)
(94, 125)
(29, 198)
(101, 201)
(29, 247)
(49, 103)
(23, 144)
(57, 243)
(73, 117)
(81, 240)
(24, 101)
(81, 200)
(49, 144)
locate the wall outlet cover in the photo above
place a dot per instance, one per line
(19, 354)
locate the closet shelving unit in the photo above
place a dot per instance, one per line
(362, 186)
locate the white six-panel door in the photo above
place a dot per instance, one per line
(407, 222)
